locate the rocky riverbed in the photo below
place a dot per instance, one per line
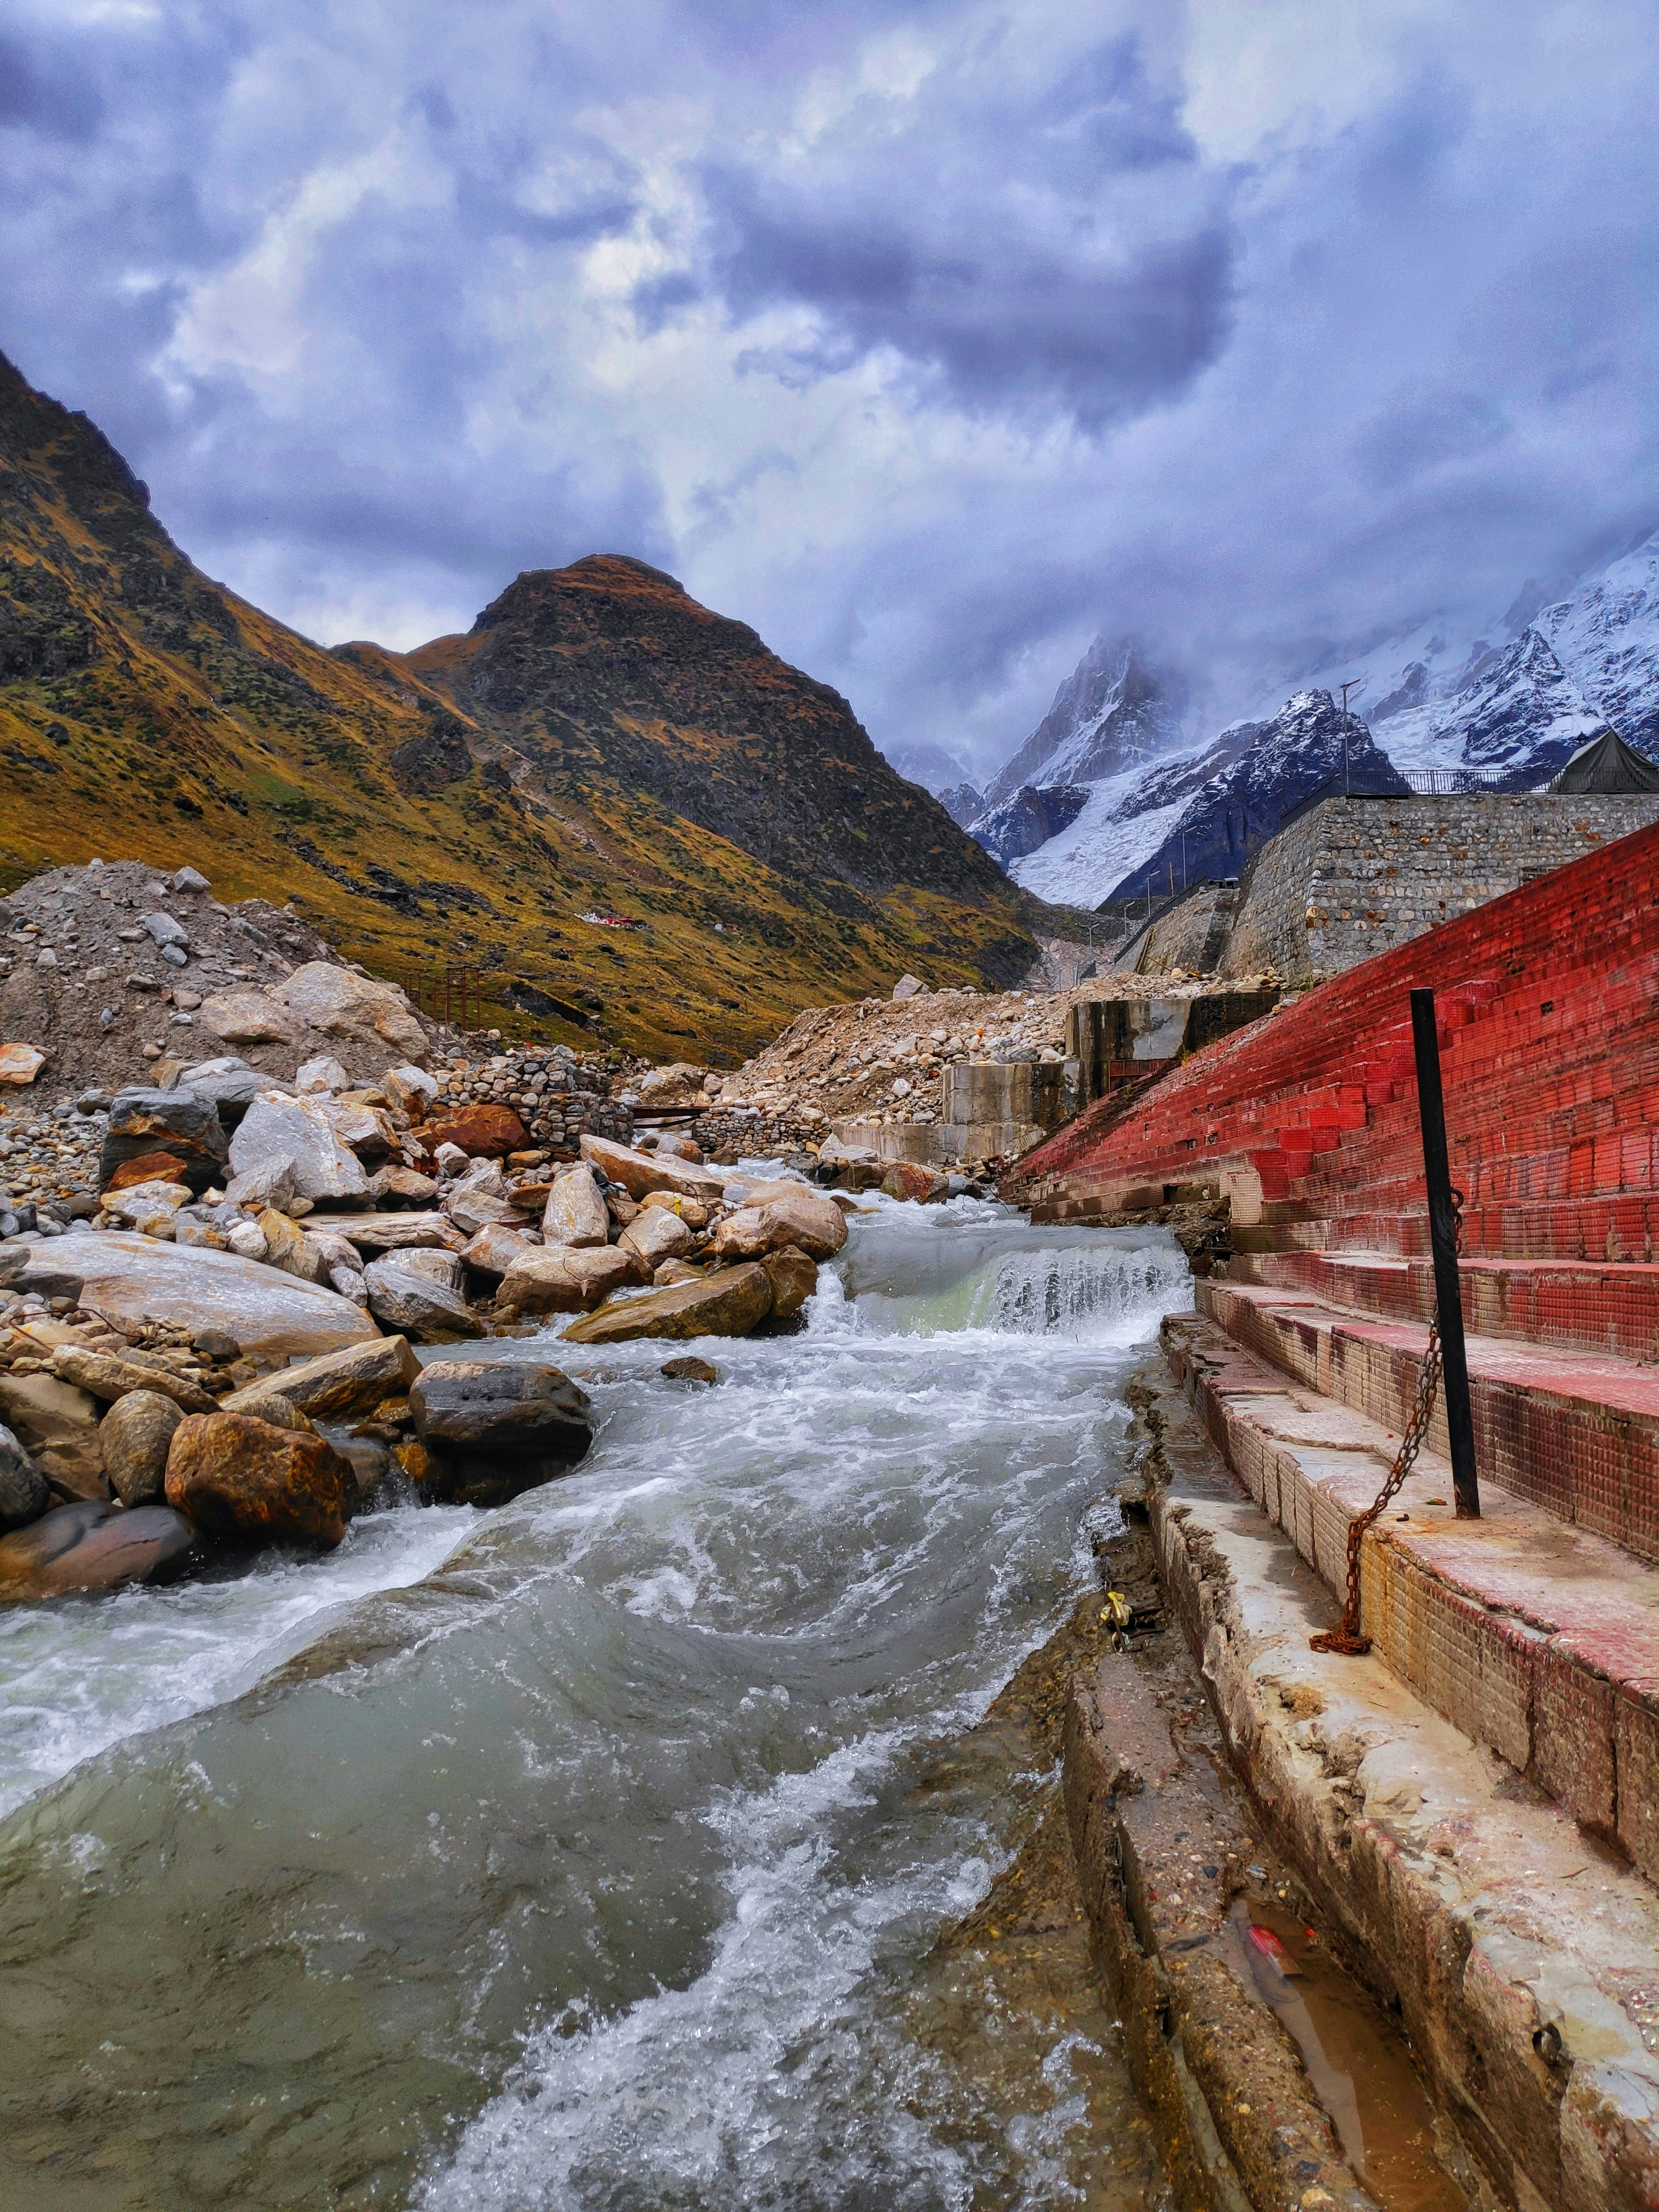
(596, 1848)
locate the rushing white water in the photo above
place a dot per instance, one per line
(591, 1870)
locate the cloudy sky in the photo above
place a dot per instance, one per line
(929, 338)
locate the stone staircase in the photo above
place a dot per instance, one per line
(1535, 1629)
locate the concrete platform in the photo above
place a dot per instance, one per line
(1522, 1953)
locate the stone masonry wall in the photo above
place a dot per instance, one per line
(559, 1099)
(1356, 877)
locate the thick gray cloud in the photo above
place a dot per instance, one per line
(928, 338)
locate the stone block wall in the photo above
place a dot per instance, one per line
(1357, 876)
(559, 1100)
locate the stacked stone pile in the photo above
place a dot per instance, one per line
(562, 1096)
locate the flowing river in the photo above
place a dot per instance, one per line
(592, 1853)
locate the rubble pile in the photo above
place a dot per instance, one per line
(879, 1061)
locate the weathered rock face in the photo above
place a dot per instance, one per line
(57, 1424)
(728, 1303)
(176, 1122)
(794, 1278)
(104, 1376)
(640, 1172)
(481, 1132)
(815, 1225)
(413, 1305)
(656, 1235)
(447, 1269)
(555, 1280)
(24, 1496)
(299, 1133)
(340, 1385)
(497, 1427)
(271, 1315)
(248, 1481)
(575, 1213)
(148, 1167)
(136, 1435)
(94, 1546)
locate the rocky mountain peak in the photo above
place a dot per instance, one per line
(1118, 708)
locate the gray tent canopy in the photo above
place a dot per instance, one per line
(1606, 765)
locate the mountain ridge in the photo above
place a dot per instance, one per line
(149, 713)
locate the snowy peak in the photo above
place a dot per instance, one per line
(1116, 709)
(1521, 715)
(1606, 635)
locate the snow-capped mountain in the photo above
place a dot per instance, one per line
(1199, 816)
(1029, 819)
(1506, 703)
(1115, 710)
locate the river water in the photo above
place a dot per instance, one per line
(591, 1853)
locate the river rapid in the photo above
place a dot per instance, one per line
(588, 1856)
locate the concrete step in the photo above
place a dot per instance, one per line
(1570, 1305)
(1521, 1953)
(1619, 1227)
(1537, 1639)
(1575, 1432)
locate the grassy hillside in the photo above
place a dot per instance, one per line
(598, 745)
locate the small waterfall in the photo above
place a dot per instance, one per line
(1076, 1293)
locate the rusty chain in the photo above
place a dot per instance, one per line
(1348, 1639)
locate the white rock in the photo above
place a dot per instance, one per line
(165, 930)
(143, 1201)
(271, 1315)
(247, 1240)
(278, 1130)
(270, 1184)
(324, 1074)
(908, 987)
(248, 1018)
(575, 1214)
(341, 1004)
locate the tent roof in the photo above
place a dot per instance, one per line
(1608, 766)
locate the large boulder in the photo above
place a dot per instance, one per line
(298, 1132)
(271, 1315)
(106, 1377)
(57, 1425)
(794, 1278)
(172, 1121)
(656, 1235)
(247, 1017)
(94, 1546)
(24, 1496)
(415, 1306)
(229, 1083)
(641, 1172)
(800, 1217)
(354, 1010)
(375, 1233)
(553, 1279)
(248, 1481)
(341, 1386)
(576, 1213)
(448, 1268)
(909, 1179)
(727, 1303)
(480, 1131)
(136, 1435)
(496, 1427)
(472, 1208)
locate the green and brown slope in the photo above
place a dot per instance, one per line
(597, 743)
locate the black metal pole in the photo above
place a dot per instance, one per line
(1443, 1236)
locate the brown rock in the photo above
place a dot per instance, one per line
(556, 1279)
(93, 1546)
(908, 1179)
(355, 1381)
(247, 1480)
(288, 1248)
(689, 1369)
(59, 1425)
(794, 1278)
(640, 1172)
(800, 1217)
(395, 1186)
(728, 1303)
(135, 1434)
(394, 1232)
(675, 1271)
(20, 1063)
(481, 1132)
(656, 1235)
(109, 1378)
(147, 1167)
